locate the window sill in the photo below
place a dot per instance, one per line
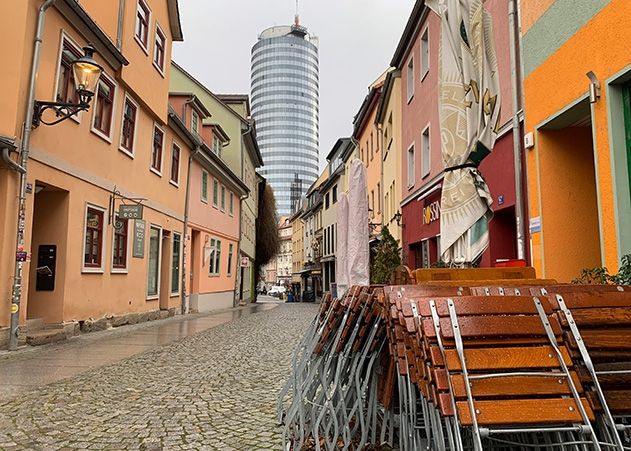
(101, 135)
(142, 46)
(204, 201)
(424, 75)
(410, 187)
(153, 298)
(174, 295)
(160, 71)
(155, 171)
(129, 153)
(119, 271)
(174, 183)
(88, 270)
(425, 176)
(410, 98)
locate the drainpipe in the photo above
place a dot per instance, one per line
(381, 195)
(16, 291)
(9, 161)
(185, 233)
(119, 29)
(517, 152)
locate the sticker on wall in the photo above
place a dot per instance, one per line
(535, 224)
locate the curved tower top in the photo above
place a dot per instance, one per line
(285, 108)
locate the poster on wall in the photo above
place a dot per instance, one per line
(139, 238)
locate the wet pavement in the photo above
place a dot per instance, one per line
(214, 389)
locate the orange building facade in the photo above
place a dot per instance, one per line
(577, 86)
(83, 262)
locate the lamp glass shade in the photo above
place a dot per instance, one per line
(86, 73)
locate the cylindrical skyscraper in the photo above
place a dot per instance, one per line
(285, 99)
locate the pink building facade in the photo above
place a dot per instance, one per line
(417, 57)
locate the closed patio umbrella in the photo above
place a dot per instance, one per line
(469, 119)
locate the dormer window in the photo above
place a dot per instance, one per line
(194, 122)
(216, 146)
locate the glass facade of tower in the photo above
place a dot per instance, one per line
(285, 99)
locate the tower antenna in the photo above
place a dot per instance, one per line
(297, 16)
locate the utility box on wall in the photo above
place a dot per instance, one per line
(46, 262)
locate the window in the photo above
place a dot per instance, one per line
(425, 155)
(156, 151)
(231, 204)
(372, 203)
(215, 257)
(410, 81)
(372, 147)
(119, 248)
(129, 126)
(153, 266)
(378, 197)
(159, 50)
(425, 53)
(223, 198)
(142, 23)
(230, 252)
(335, 194)
(103, 107)
(175, 163)
(216, 146)
(215, 192)
(204, 186)
(326, 201)
(66, 91)
(93, 250)
(194, 121)
(175, 263)
(411, 166)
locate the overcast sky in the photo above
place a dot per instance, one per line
(357, 41)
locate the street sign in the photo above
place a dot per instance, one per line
(139, 239)
(130, 211)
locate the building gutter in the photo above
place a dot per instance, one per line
(119, 26)
(8, 145)
(16, 289)
(517, 101)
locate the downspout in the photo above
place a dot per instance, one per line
(9, 161)
(185, 232)
(243, 198)
(381, 193)
(119, 29)
(16, 290)
(517, 152)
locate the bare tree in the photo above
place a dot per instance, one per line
(267, 239)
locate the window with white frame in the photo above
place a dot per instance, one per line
(93, 238)
(194, 121)
(230, 252)
(424, 53)
(143, 15)
(425, 153)
(66, 90)
(175, 163)
(104, 107)
(204, 194)
(156, 149)
(153, 263)
(411, 180)
(216, 146)
(119, 245)
(175, 263)
(215, 192)
(223, 198)
(231, 204)
(128, 128)
(159, 50)
(214, 257)
(410, 79)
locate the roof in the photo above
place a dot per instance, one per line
(81, 20)
(409, 33)
(388, 85)
(209, 92)
(253, 145)
(369, 103)
(236, 98)
(340, 142)
(219, 131)
(194, 100)
(174, 20)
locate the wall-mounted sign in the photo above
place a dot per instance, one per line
(139, 239)
(535, 224)
(130, 211)
(431, 213)
(245, 262)
(500, 199)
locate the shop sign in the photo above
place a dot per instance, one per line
(139, 239)
(431, 213)
(130, 211)
(245, 262)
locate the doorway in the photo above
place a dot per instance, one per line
(49, 241)
(569, 197)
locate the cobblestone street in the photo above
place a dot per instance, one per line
(216, 390)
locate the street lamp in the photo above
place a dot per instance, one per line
(86, 72)
(397, 217)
